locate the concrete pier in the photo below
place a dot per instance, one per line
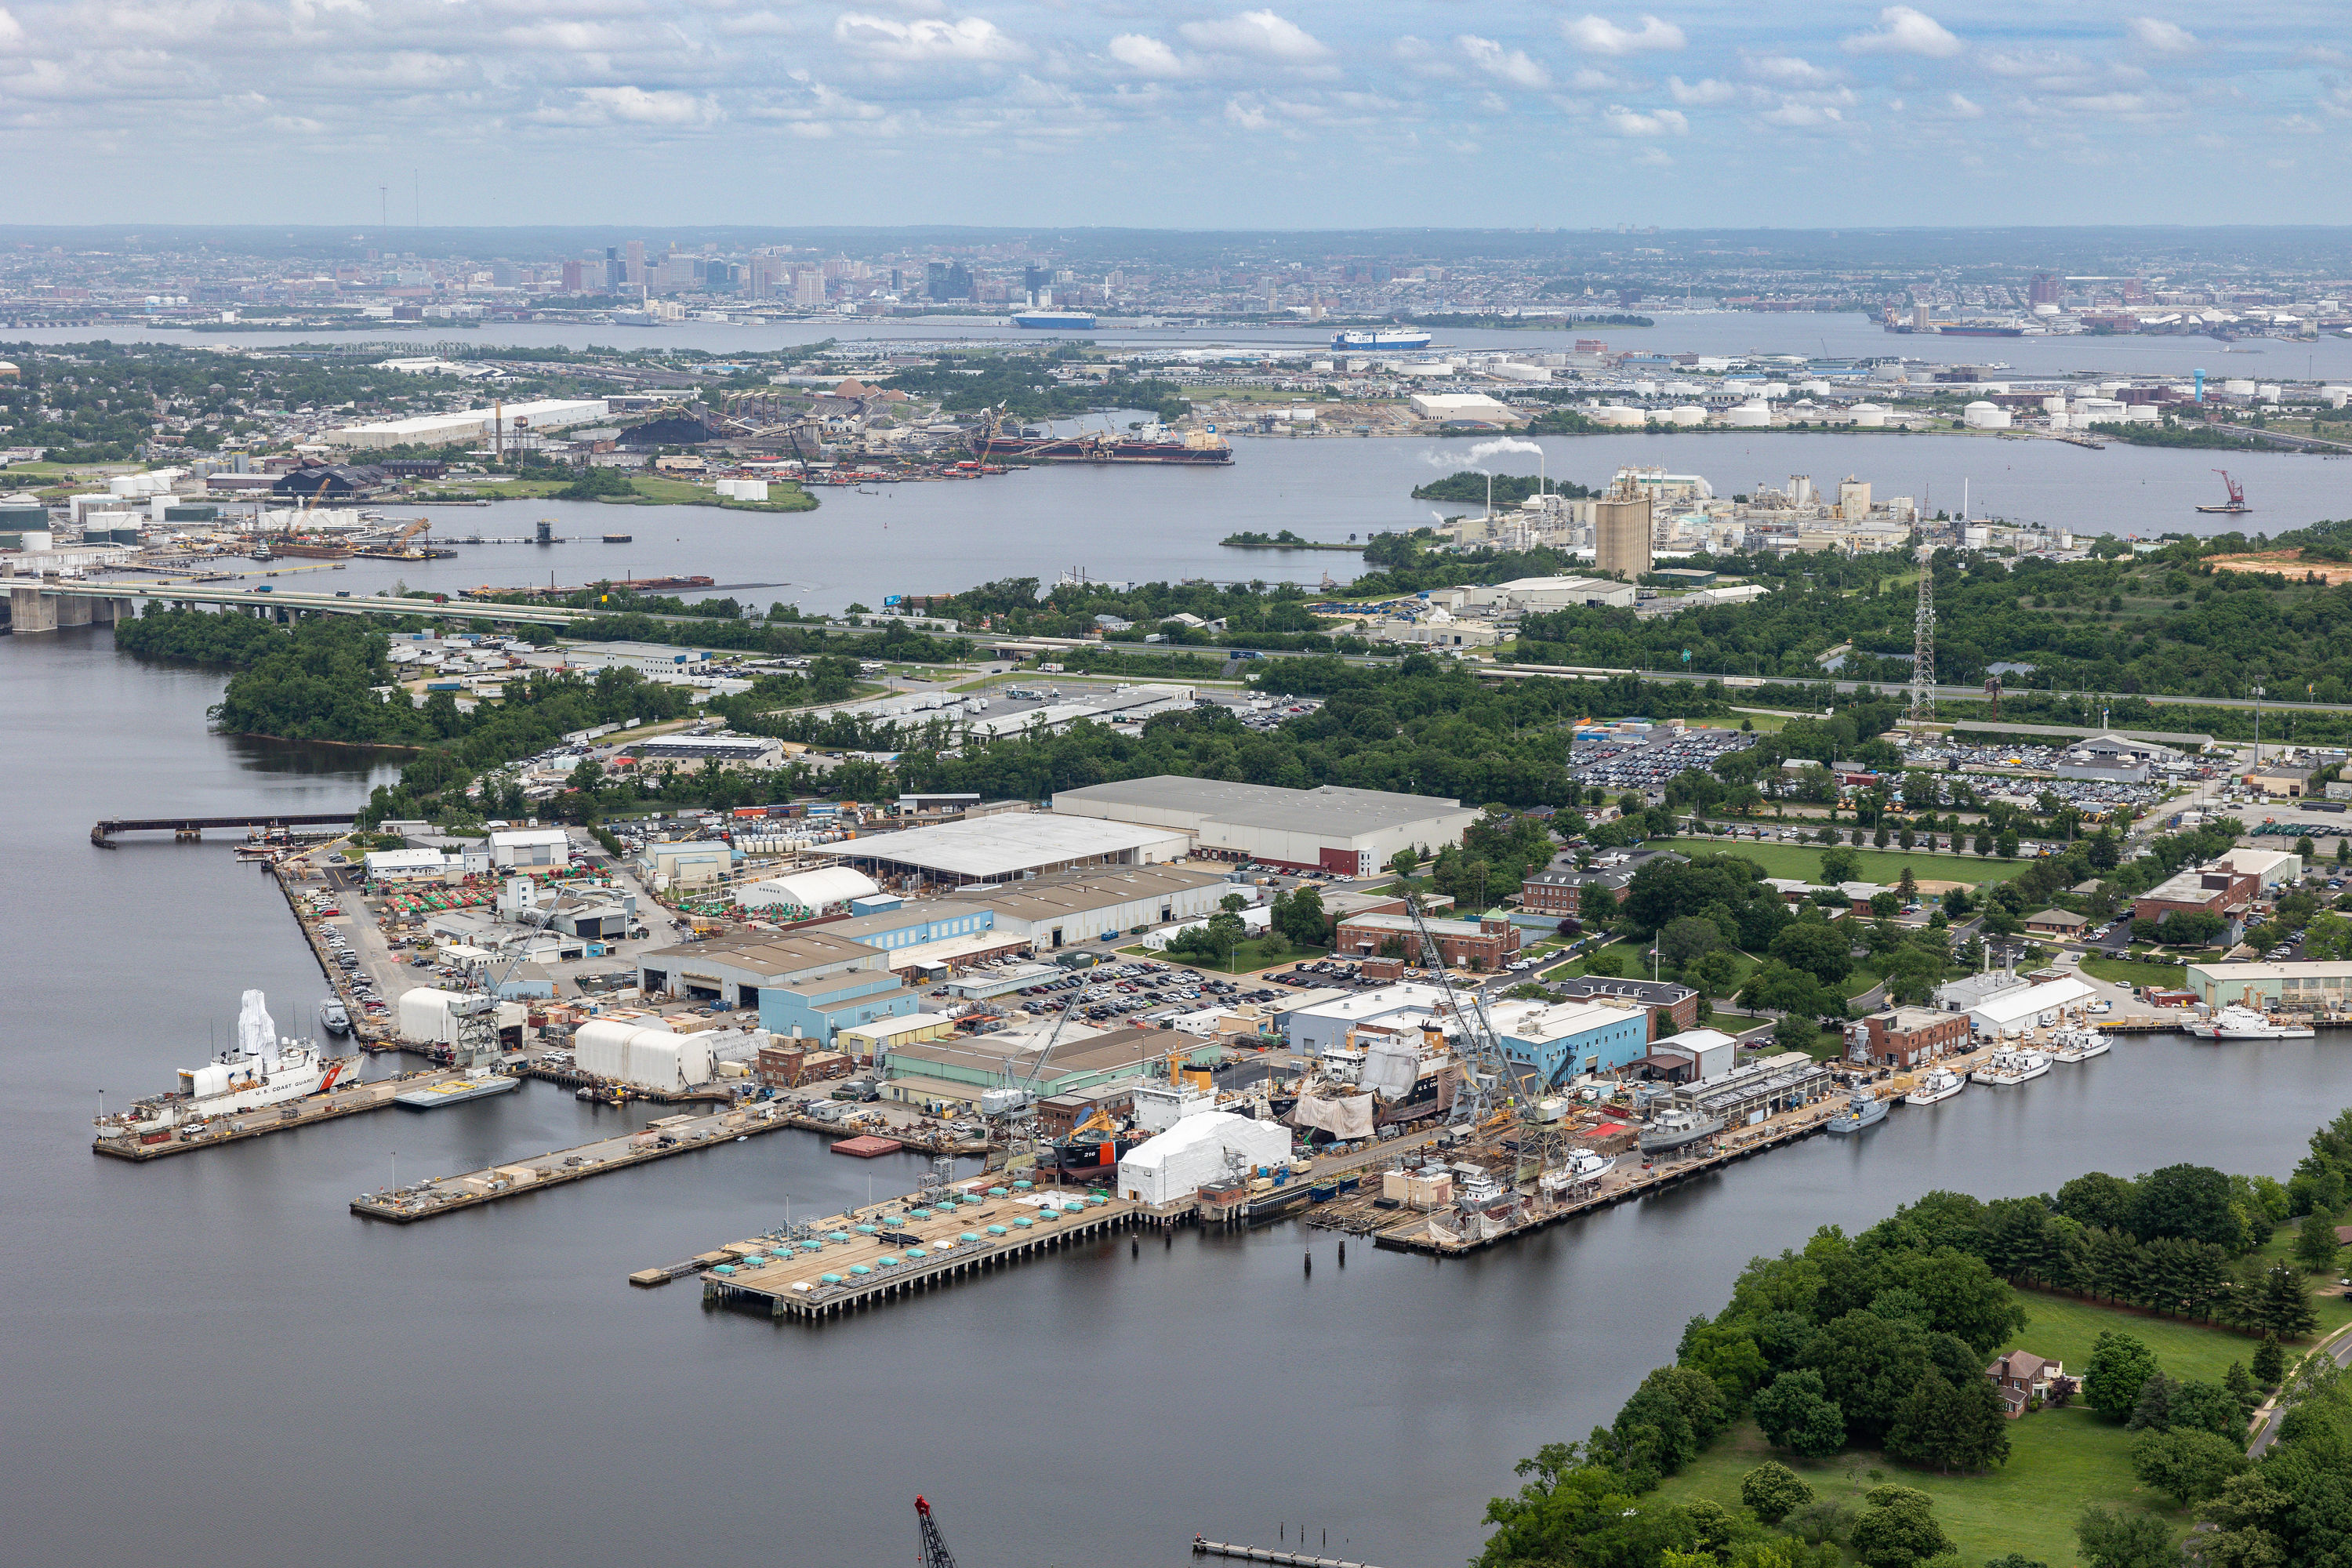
(30, 610)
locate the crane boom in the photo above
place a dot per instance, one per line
(1019, 1096)
(935, 1550)
(1477, 1029)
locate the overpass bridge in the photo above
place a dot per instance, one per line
(44, 606)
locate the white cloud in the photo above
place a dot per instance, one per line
(1904, 31)
(1261, 33)
(1589, 80)
(1145, 55)
(1707, 90)
(1512, 66)
(973, 38)
(1802, 116)
(1620, 121)
(637, 106)
(11, 30)
(1965, 107)
(1788, 70)
(1248, 116)
(2164, 37)
(1599, 36)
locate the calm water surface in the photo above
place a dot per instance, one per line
(209, 1358)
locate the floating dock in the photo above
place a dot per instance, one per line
(672, 1135)
(457, 1089)
(837, 1268)
(306, 1112)
(1204, 1547)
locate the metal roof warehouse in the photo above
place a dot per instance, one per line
(1351, 832)
(1014, 845)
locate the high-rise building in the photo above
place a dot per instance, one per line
(2047, 289)
(1853, 499)
(1620, 533)
(808, 288)
(633, 262)
(613, 278)
(575, 277)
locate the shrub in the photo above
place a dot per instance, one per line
(1774, 1492)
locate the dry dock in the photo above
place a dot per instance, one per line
(306, 1112)
(671, 1135)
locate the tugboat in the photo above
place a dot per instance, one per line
(1863, 1109)
(1678, 1129)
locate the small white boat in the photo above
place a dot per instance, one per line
(1936, 1085)
(2079, 1044)
(2007, 1069)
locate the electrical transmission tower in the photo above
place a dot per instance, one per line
(1923, 638)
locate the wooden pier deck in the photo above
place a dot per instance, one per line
(916, 1247)
(306, 1112)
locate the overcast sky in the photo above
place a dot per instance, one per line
(1179, 115)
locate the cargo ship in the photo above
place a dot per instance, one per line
(1055, 320)
(1381, 338)
(1152, 444)
(261, 1070)
(1973, 330)
(317, 549)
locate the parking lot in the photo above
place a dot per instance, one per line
(1619, 762)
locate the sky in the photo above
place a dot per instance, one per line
(1128, 113)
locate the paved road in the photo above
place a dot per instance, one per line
(2339, 1349)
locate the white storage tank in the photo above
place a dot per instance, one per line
(2238, 388)
(1870, 415)
(1689, 414)
(1981, 415)
(2266, 393)
(1753, 415)
(1617, 413)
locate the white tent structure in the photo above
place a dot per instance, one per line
(1189, 1155)
(2009, 1012)
(813, 892)
(645, 1057)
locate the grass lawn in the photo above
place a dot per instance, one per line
(2335, 1309)
(1633, 962)
(1248, 958)
(2058, 1461)
(1884, 867)
(2064, 1329)
(2123, 971)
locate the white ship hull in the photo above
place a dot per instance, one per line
(2007, 1069)
(262, 1071)
(2244, 1024)
(1936, 1093)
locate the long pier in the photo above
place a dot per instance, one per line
(923, 1249)
(673, 1135)
(306, 1112)
(191, 829)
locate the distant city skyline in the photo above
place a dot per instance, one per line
(887, 111)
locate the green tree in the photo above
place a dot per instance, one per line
(1815, 947)
(1963, 1296)
(2282, 1303)
(2111, 1538)
(2270, 1362)
(1896, 1528)
(1797, 1414)
(1687, 938)
(2152, 1411)
(1772, 1491)
(2191, 1466)
(2119, 1368)
(2215, 1407)
(1404, 862)
(1840, 864)
(2315, 1246)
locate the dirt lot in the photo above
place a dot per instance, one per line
(2288, 561)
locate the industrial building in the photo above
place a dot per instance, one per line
(1906, 1038)
(468, 425)
(1196, 1152)
(1014, 846)
(1050, 912)
(1323, 1025)
(819, 1006)
(2307, 986)
(806, 894)
(1673, 1008)
(526, 847)
(1620, 534)
(956, 1072)
(738, 971)
(2218, 888)
(728, 751)
(1346, 832)
(1489, 942)
(1551, 1041)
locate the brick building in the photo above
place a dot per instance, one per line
(1906, 1037)
(2019, 1375)
(1490, 941)
(2219, 889)
(1666, 1001)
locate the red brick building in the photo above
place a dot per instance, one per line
(1491, 942)
(2219, 889)
(1908, 1037)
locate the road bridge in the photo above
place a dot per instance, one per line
(45, 605)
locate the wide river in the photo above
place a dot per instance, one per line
(210, 1363)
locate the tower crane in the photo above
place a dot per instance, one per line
(476, 1015)
(1488, 1063)
(1013, 1099)
(935, 1550)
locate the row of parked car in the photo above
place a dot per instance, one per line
(362, 989)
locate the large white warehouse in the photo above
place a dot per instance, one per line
(1189, 1155)
(1017, 844)
(1349, 832)
(470, 424)
(647, 1057)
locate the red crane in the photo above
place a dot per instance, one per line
(935, 1551)
(2237, 495)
